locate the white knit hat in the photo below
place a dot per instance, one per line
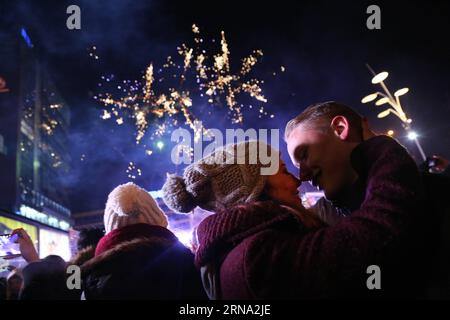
(130, 204)
(213, 184)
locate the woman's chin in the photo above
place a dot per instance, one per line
(293, 203)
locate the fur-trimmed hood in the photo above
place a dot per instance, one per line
(154, 267)
(141, 247)
(83, 256)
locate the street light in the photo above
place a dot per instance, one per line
(412, 135)
(380, 77)
(395, 106)
(401, 92)
(381, 101)
(384, 113)
(369, 97)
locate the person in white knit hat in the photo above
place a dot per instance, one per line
(130, 204)
(139, 258)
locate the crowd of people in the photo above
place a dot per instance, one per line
(379, 209)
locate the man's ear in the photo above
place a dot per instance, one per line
(340, 127)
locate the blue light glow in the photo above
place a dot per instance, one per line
(25, 36)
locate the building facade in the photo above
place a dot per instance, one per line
(34, 149)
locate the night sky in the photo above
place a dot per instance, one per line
(323, 45)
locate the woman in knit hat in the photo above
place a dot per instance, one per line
(248, 207)
(139, 258)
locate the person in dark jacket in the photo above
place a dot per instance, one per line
(437, 165)
(88, 239)
(43, 279)
(377, 185)
(14, 284)
(46, 279)
(248, 205)
(437, 188)
(435, 227)
(139, 258)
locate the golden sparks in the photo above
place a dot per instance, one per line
(195, 29)
(157, 104)
(133, 171)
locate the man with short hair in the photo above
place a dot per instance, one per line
(348, 195)
(320, 141)
(377, 185)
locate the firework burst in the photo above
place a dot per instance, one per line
(176, 94)
(133, 171)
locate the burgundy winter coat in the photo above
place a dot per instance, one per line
(261, 251)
